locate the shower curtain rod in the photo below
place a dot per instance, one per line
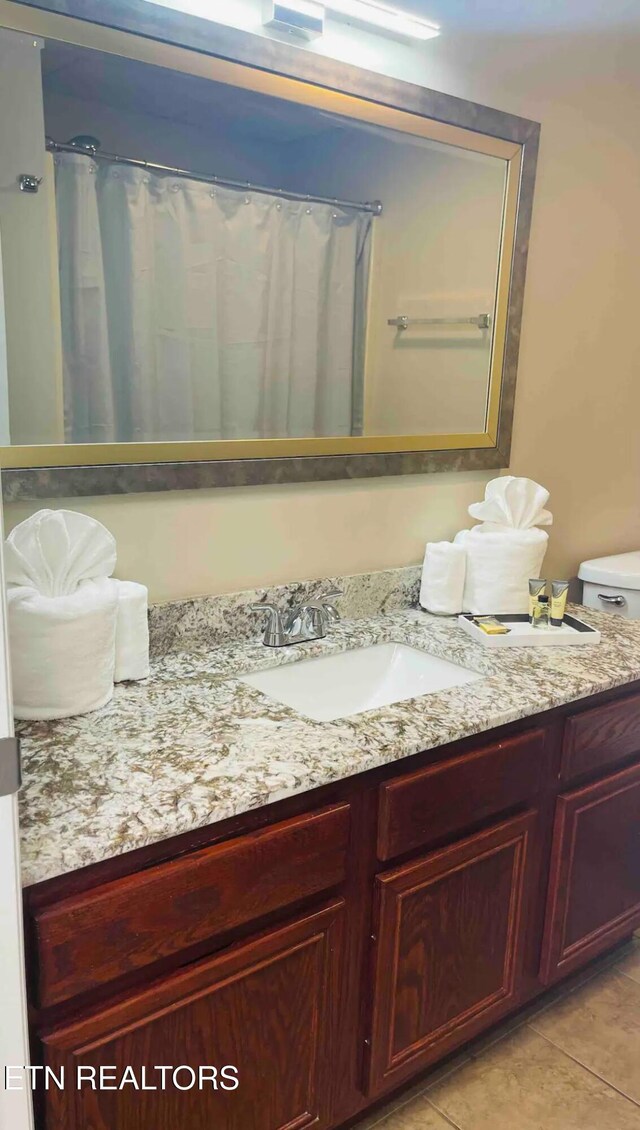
(372, 206)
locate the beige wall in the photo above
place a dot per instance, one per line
(218, 541)
(578, 402)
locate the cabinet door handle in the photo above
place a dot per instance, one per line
(618, 600)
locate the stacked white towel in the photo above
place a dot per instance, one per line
(486, 570)
(507, 548)
(70, 623)
(443, 575)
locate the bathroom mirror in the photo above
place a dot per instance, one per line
(234, 265)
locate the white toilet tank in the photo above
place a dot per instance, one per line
(612, 584)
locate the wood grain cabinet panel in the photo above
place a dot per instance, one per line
(95, 937)
(450, 945)
(594, 886)
(419, 808)
(266, 1007)
(598, 738)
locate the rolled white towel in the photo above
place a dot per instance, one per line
(132, 632)
(443, 575)
(499, 565)
(62, 649)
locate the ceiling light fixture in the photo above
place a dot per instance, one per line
(304, 18)
(387, 19)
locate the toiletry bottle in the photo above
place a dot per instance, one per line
(559, 590)
(541, 612)
(537, 586)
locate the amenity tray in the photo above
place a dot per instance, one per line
(573, 632)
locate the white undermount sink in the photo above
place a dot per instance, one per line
(336, 686)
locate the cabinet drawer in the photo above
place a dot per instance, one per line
(424, 806)
(600, 737)
(95, 937)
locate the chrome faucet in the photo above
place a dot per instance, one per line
(304, 622)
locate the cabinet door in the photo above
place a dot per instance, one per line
(594, 885)
(449, 950)
(266, 1007)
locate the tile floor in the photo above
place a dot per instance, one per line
(571, 1064)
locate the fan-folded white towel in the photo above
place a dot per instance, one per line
(512, 502)
(443, 575)
(62, 649)
(53, 550)
(499, 565)
(132, 632)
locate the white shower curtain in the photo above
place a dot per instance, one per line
(194, 312)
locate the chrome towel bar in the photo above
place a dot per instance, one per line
(402, 322)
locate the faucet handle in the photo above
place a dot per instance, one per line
(327, 600)
(274, 633)
(316, 614)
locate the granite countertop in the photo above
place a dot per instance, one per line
(192, 744)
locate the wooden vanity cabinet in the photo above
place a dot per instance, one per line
(333, 946)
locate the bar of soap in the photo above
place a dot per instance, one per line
(491, 626)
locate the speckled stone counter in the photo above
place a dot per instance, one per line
(192, 744)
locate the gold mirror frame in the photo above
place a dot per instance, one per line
(268, 67)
